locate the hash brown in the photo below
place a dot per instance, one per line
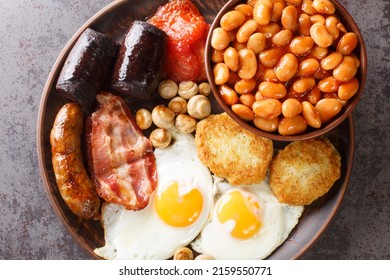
(304, 171)
(231, 151)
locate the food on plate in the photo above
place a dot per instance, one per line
(87, 68)
(187, 89)
(187, 31)
(203, 257)
(167, 89)
(275, 52)
(185, 123)
(199, 107)
(163, 117)
(183, 253)
(160, 198)
(304, 171)
(247, 222)
(178, 105)
(143, 118)
(231, 151)
(140, 61)
(73, 182)
(121, 159)
(177, 211)
(187, 103)
(160, 137)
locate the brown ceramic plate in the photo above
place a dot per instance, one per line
(114, 21)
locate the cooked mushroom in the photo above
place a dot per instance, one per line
(178, 105)
(187, 89)
(204, 89)
(185, 123)
(199, 107)
(160, 137)
(204, 257)
(143, 118)
(163, 117)
(167, 89)
(183, 253)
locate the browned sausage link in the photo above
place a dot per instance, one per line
(73, 182)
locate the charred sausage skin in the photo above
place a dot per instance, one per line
(73, 182)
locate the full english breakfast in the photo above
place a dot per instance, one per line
(178, 180)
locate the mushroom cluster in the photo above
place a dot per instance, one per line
(187, 104)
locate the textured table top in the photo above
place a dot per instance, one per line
(32, 34)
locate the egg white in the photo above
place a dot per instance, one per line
(277, 219)
(142, 234)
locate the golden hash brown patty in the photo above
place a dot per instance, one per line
(304, 171)
(231, 151)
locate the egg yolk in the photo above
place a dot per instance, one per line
(243, 210)
(176, 210)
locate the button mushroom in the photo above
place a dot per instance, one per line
(204, 257)
(185, 123)
(163, 117)
(160, 137)
(178, 105)
(167, 89)
(199, 107)
(187, 89)
(204, 89)
(143, 118)
(183, 253)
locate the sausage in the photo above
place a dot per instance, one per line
(73, 182)
(140, 61)
(87, 68)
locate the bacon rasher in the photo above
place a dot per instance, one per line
(121, 159)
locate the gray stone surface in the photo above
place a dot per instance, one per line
(33, 32)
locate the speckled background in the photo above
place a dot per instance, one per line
(32, 34)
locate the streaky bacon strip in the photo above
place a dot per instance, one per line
(121, 158)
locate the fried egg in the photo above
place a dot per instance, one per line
(247, 222)
(175, 215)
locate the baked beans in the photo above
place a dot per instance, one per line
(289, 18)
(262, 11)
(285, 65)
(291, 107)
(282, 38)
(230, 57)
(243, 112)
(257, 42)
(269, 125)
(233, 19)
(267, 108)
(292, 126)
(245, 86)
(248, 64)
(304, 24)
(246, 30)
(308, 67)
(328, 108)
